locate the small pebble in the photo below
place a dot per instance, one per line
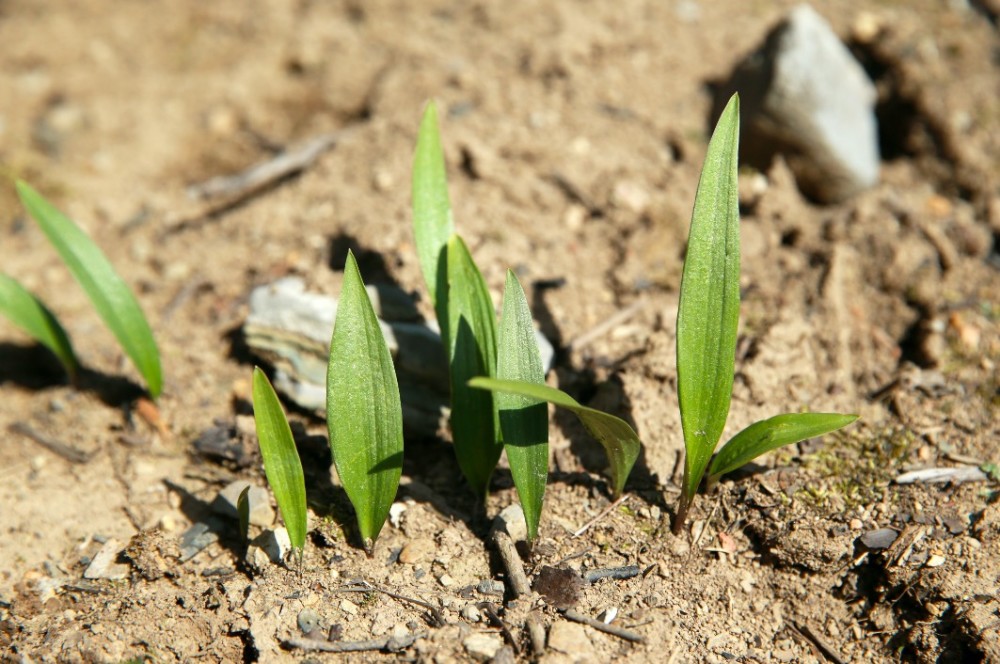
(471, 613)
(511, 521)
(446, 581)
(261, 513)
(348, 607)
(876, 540)
(482, 647)
(103, 566)
(308, 620)
(490, 587)
(416, 551)
(935, 561)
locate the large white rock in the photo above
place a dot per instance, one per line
(804, 96)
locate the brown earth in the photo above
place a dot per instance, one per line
(574, 133)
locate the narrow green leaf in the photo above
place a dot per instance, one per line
(472, 352)
(243, 510)
(364, 415)
(524, 421)
(31, 315)
(620, 441)
(281, 459)
(432, 220)
(772, 433)
(708, 312)
(109, 294)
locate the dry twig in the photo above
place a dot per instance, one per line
(604, 513)
(68, 452)
(515, 568)
(387, 643)
(613, 630)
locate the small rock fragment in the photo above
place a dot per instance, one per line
(490, 587)
(416, 551)
(482, 647)
(805, 96)
(308, 620)
(274, 543)
(446, 580)
(571, 639)
(876, 540)
(395, 513)
(261, 513)
(935, 560)
(511, 521)
(348, 607)
(471, 613)
(104, 565)
(195, 539)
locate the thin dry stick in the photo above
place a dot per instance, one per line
(613, 630)
(817, 641)
(265, 172)
(388, 643)
(363, 586)
(497, 621)
(515, 569)
(607, 510)
(607, 325)
(67, 452)
(536, 634)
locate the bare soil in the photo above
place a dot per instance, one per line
(574, 134)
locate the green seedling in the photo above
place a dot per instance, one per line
(464, 310)
(524, 421)
(707, 321)
(31, 315)
(619, 440)
(109, 294)
(363, 411)
(281, 460)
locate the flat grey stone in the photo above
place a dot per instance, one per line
(876, 540)
(805, 97)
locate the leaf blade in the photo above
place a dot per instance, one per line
(111, 297)
(282, 465)
(772, 433)
(472, 351)
(30, 314)
(364, 414)
(620, 441)
(524, 421)
(708, 312)
(432, 217)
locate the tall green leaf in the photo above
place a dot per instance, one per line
(432, 220)
(281, 459)
(31, 315)
(524, 421)
(772, 433)
(109, 294)
(620, 441)
(472, 348)
(363, 411)
(708, 312)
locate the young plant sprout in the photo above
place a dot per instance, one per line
(707, 320)
(281, 461)
(484, 423)
(109, 294)
(363, 411)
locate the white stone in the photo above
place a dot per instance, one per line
(482, 647)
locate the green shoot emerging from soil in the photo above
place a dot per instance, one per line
(363, 411)
(281, 460)
(707, 320)
(31, 315)
(109, 294)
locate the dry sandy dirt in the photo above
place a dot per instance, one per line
(574, 133)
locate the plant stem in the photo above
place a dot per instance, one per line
(682, 510)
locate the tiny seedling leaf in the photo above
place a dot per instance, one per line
(243, 510)
(620, 441)
(472, 352)
(364, 415)
(281, 459)
(772, 433)
(708, 312)
(432, 220)
(109, 294)
(524, 421)
(31, 315)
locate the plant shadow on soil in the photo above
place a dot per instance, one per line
(35, 368)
